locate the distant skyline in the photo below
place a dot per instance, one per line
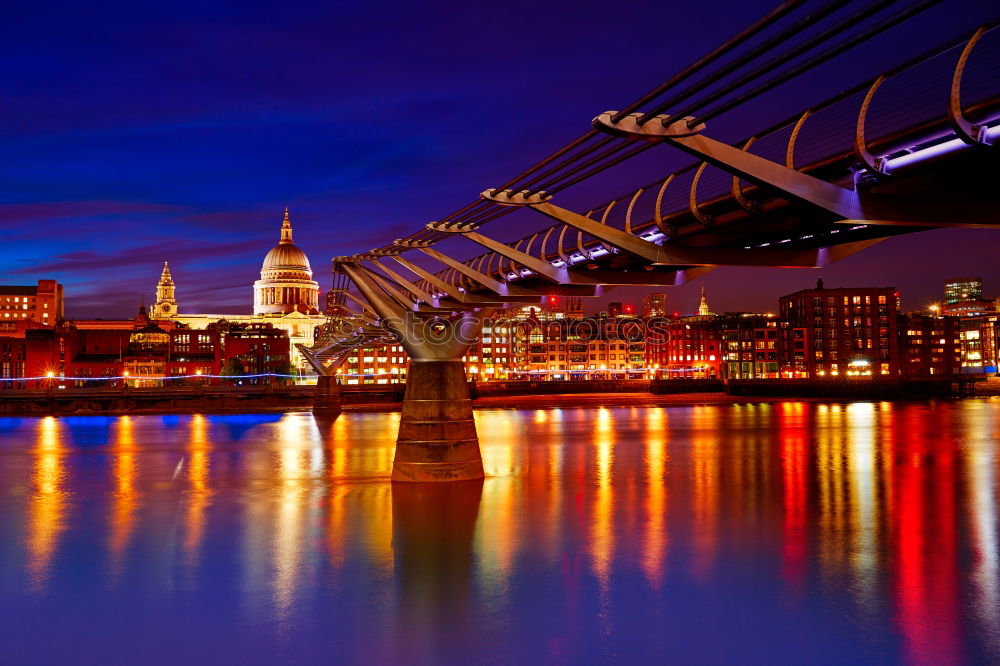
(136, 134)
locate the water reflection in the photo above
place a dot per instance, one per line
(48, 502)
(839, 532)
(654, 551)
(433, 528)
(198, 452)
(125, 496)
(706, 471)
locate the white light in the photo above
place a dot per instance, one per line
(934, 151)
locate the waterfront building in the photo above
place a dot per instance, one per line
(41, 303)
(930, 345)
(285, 296)
(588, 348)
(685, 348)
(850, 330)
(979, 337)
(147, 353)
(489, 358)
(143, 351)
(13, 354)
(761, 346)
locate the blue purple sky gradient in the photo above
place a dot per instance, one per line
(134, 133)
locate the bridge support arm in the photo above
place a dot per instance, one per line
(671, 255)
(529, 294)
(796, 185)
(496, 287)
(406, 284)
(463, 299)
(539, 266)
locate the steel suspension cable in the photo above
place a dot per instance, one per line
(758, 26)
(820, 58)
(783, 58)
(776, 40)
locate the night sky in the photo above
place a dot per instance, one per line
(133, 133)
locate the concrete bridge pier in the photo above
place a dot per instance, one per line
(437, 434)
(326, 399)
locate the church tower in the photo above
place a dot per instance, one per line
(165, 306)
(703, 309)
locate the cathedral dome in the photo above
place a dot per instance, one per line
(286, 256)
(286, 283)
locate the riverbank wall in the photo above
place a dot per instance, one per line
(181, 400)
(276, 398)
(843, 389)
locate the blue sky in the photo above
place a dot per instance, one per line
(134, 133)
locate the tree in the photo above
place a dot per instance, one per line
(283, 368)
(232, 368)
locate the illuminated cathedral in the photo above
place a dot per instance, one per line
(285, 296)
(285, 283)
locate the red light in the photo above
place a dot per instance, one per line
(552, 299)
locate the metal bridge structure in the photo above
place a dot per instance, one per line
(343, 333)
(907, 150)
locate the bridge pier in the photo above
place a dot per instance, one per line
(326, 399)
(437, 433)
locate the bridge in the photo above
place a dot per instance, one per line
(908, 150)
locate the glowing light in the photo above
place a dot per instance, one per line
(125, 375)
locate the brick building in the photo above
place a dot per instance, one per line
(849, 330)
(146, 353)
(42, 303)
(930, 345)
(760, 346)
(685, 347)
(490, 357)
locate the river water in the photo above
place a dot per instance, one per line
(769, 533)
